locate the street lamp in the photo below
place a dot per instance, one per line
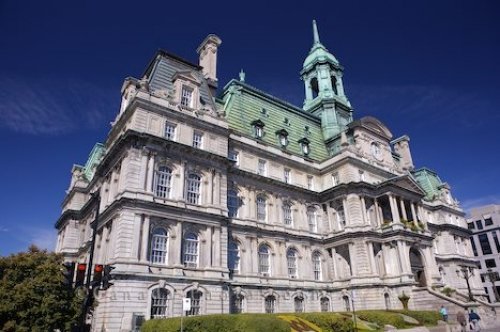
(493, 276)
(466, 275)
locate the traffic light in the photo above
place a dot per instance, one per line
(96, 280)
(80, 274)
(107, 277)
(68, 272)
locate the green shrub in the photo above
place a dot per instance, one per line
(448, 291)
(329, 321)
(219, 323)
(427, 318)
(382, 318)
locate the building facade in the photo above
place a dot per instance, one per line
(246, 203)
(484, 222)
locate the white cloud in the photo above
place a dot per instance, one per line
(52, 107)
(469, 204)
(3, 229)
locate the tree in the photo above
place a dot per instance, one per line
(32, 294)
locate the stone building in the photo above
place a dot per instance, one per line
(484, 222)
(244, 202)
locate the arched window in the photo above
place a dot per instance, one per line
(314, 87)
(232, 203)
(270, 304)
(193, 189)
(291, 259)
(316, 260)
(190, 250)
(234, 257)
(334, 85)
(347, 303)
(159, 302)
(264, 260)
(324, 304)
(261, 208)
(195, 297)
(159, 246)
(287, 213)
(387, 300)
(311, 219)
(298, 304)
(163, 177)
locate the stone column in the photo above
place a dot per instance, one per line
(175, 255)
(377, 212)
(211, 187)
(403, 208)
(371, 257)
(151, 167)
(363, 209)
(144, 170)
(334, 267)
(402, 257)
(145, 239)
(216, 247)
(217, 190)
(413, 212)
(104, 245)
(182, 181)
(394, 209)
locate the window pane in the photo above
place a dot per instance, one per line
(311, 219)
(325, 304)
(193, 189)
(191, 250)
(270, 303)
(159, 302)
(317, 266)
(261, 208)
(291, 258)
(287, 214)
(234, 257)
(195, 297)
(163, 177)
(169, 131)
(232, 203)
(187, 97)
(264, 261)
(159, 242)
(485, 244)
(298, 303)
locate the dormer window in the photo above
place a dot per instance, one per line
(187, 96)
(304, 145)
(258, 128)
(282, 137)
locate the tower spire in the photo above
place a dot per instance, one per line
(315, 33)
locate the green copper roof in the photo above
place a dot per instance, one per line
(429, 181)
(318, 52)
(246, 105)
(93, 160)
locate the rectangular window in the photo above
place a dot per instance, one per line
(488, 222)
(310, 183)
(287, 175)
(287, 214)
(473, 244)
(137, 321)
(335, 179)
(485, 244)
(479, 224)
(490, 263)
(197, 139)
(233, 156)
(261, 168)
(470, 225)
(495, 238)
(170, 131)
(187, 96)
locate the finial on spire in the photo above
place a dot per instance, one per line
(242, 76)
(315, 33)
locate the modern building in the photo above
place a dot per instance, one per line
(484, 222)
(244, 202)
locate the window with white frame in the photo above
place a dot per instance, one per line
(310, 182)
(190, 250)
(287, 177)
(193, 189)
(325, 304)
(261, 167)
(261, 208)
(291, 259)
(170, 131)
(270, 304)
(234, 257)
(162, 179)
(287, 213)
(187, 96)
(264, 260)
(159, 302)
(233, 203)
(316, 260)
(298, 303)
(195, 296)
(234, 156)
(311, 219)
(335, 179)
(197, 139)
(159, 246)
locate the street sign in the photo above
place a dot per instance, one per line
(186, 304)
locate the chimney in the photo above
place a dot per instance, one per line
(208, 58)
(402, 147)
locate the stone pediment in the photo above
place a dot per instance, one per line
(186, 75)
(373, 125)
(405, 182)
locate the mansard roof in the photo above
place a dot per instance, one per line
(429, 181)
(245, 104)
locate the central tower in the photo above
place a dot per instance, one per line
(325, 97)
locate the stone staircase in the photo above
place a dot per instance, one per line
(428, 299)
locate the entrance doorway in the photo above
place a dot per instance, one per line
(417, 267)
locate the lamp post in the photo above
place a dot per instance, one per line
(466, 275)
(493, 276)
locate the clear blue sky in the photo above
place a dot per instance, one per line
(429, 69)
